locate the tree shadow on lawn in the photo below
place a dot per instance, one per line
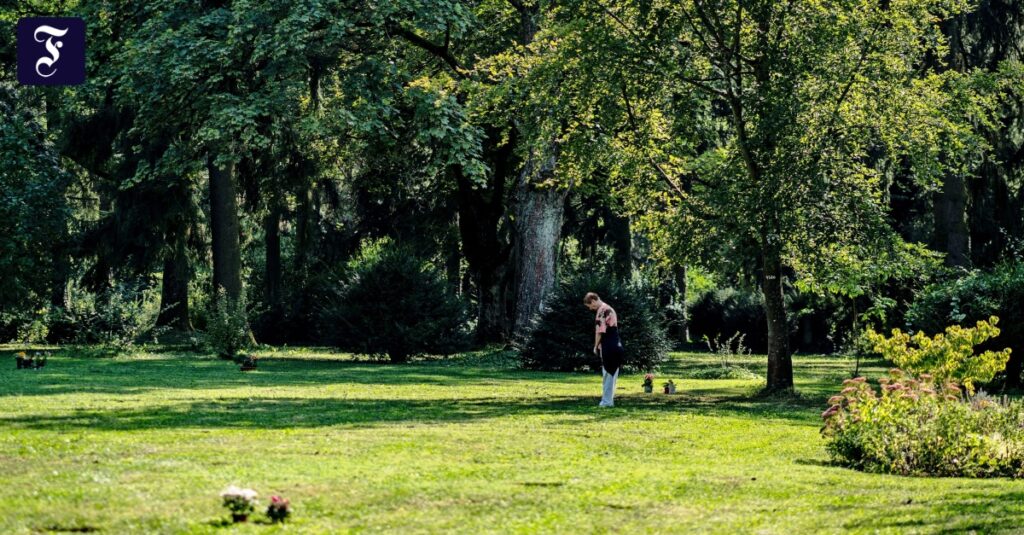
(63, 375)
(275, 413)
(121, 376)
(983, 511)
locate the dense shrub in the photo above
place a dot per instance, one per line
(561, 337)
(117, 317)
(919, 422)
(975, 297)
(917, 426)
(948, 356)
(227, 326)
(391, 302)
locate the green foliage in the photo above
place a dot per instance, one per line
(118, 317)
(922, 426)
(949, 356)
(33, 211)
(34, 331)
(854, 271)
(561, 336)
(227, 326)
(392, 302)
(974, 297)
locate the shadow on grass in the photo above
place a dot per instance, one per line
(126, 376)
(970, 512)
(290, 412)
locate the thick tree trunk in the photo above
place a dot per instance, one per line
(951, 233)
(780, 363)
(224, 228)
(487, 256)
(174, 310)
(538, 227)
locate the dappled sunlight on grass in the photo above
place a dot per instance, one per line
(142, 443)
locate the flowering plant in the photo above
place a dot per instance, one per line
(921, 425)
(239, 501)
(649, 380)
(279, 508)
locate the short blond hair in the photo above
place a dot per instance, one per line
(590, 298)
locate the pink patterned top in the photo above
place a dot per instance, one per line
(605, 318)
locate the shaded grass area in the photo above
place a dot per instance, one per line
(143, 444)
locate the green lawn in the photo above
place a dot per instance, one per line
(145, 443)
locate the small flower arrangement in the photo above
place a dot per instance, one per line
(670, 386)
(241, 502)
(279, 509)
(248, 363)
(36, 361)
(649, 383)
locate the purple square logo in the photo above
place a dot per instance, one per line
(51, 51)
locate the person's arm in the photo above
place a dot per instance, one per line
(597, 341)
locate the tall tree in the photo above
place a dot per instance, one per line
(760, 121)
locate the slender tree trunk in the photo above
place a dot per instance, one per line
(306, 213)
(174, 311)
(453, 263)
(680, 276)
(304, 226)
(224, 228)
(780, 363)
(493, 318)
(951, 232)
(59, 280)
(538, 227)
(272, 275)
(621, 239)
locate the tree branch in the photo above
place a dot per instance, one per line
(441, 52)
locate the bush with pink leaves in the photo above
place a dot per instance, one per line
(914, 425)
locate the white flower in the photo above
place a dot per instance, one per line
(235, 492)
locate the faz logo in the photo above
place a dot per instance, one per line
(51, 51)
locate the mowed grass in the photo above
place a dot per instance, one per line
(144, 444)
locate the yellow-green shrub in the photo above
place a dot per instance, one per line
(946, 356)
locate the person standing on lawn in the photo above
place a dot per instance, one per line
(607, 345)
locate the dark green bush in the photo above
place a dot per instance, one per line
(724, 312)
(561, 337)
(976, 297)
(118, 317)
(391, 302)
